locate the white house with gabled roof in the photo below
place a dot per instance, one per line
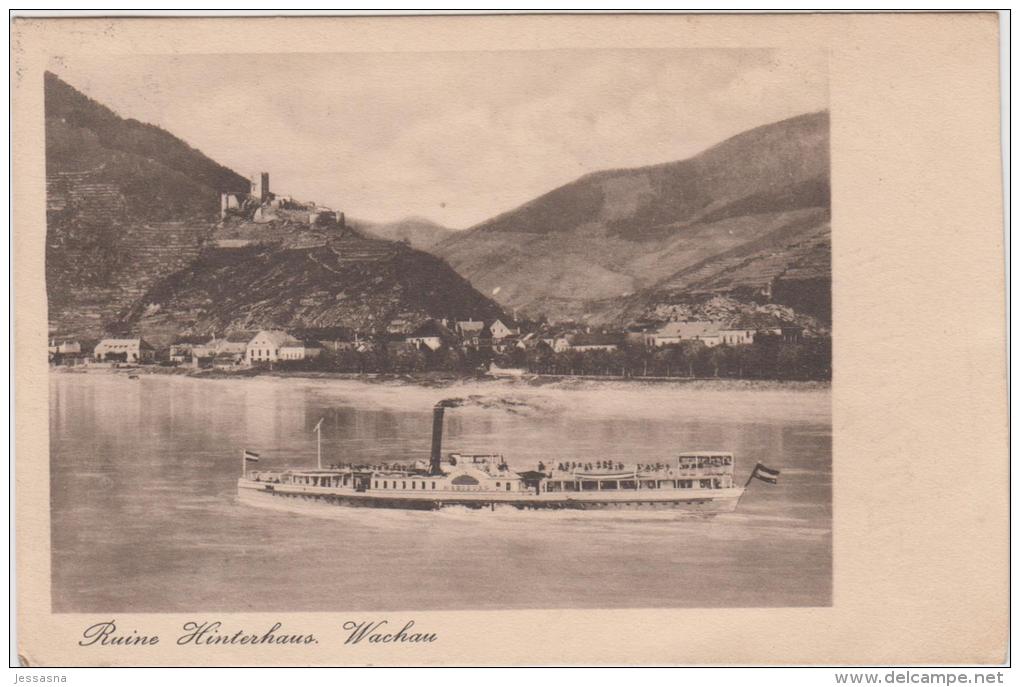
(500, 331)
(265, 347)
(124, 351)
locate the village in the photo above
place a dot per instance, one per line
(746, 347)
(758, 344)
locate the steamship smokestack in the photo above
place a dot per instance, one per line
(437, 440)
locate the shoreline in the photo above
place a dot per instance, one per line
(446, 379)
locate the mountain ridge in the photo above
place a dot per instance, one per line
(612, 233)
(420, 232)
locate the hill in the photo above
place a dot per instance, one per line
(134, 243)
(419, 232)
(353, 282)
(160, 176)
(126, 204)
(722, 222)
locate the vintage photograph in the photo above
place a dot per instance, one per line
(398, 331)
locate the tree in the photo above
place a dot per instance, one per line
(718, 358)
(450, 359)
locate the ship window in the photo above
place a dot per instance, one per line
(589, 486)
(433, 485)
(610, 484)
(508, 486)
(705, 483)
(403, 485)
(648, 484)
(385, 484)
(375, 484)
(498, 485)
(628, 484)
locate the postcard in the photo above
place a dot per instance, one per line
(509, 340)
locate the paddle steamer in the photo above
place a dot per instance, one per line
(697, 481)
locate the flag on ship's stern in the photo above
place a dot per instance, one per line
(251, 456)
(765, 474)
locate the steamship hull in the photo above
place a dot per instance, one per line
(302, 498)
(698, 482)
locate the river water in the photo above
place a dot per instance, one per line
(145, 516)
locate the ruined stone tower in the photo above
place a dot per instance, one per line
(260, 187)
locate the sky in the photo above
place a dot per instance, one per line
(455, 137)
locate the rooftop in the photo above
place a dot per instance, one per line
(689, 330)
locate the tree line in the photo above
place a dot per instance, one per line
(769, 357)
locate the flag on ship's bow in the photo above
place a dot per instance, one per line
(251, 456)
(764, 473)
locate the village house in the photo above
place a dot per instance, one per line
(394, 344)
(511, 343)
(180, 353)
(745, 329)
(300, 350)
(224, 361)
(182, 349)
(265, 346)
(64, 346)
(335, 343)
(235, 345)
(232, 344)
(432, 335)
(673, 333)
(360, 345)
(638, 332)
(787, 333)
(596, 341)
(500, 331)
(737, 337)
(527, 342)
(65, 351)
(401, 324)
(791, 333)
(558, 344)
(469, 331)
(124, 351)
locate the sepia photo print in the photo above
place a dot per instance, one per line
(443, 331)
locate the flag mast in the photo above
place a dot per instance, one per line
(751, 476)
(318, 442)
(247, 455)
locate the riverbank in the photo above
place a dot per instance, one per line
(447, 379)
